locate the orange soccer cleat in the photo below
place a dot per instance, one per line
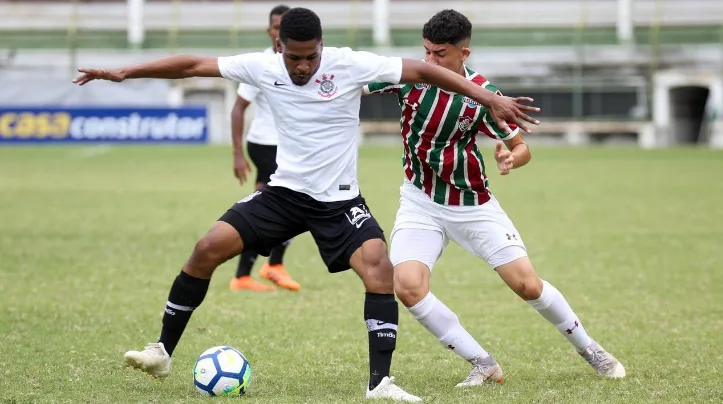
(278, 275)
(249, 283)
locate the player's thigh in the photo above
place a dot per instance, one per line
(264, 159)
(414, 252)
(341, 228)
(219, 244)
(486, 231)
(413, 242)
(417, 233)
(265, 219)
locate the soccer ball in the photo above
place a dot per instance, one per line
(222, 371)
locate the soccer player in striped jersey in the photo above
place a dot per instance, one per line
(445, 196)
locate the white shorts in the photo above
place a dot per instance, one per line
(423, 229)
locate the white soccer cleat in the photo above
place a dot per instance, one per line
(386, 389)
(484, 371)
(153, 360)
(602, 361)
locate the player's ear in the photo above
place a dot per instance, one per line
(464, 52)
(278, 44)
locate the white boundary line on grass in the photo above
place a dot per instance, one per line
(90, 151)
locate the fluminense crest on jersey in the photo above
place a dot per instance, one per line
(466, 123)
(327, 88)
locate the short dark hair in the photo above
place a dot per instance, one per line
(278, 10)
(300, 24)
(447, 26)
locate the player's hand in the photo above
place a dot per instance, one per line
(241, 166)
(509, 109)
(115, 75)
(505, 159)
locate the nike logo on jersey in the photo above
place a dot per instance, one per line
(278, 83)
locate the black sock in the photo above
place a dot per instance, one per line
(381, 314)
(246, 262)
(186, 294)
(277, 253)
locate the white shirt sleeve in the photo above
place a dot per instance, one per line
(367, 67)
(244, 68)
(247, 92)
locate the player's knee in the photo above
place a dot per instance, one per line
(211, 251)
(206, 253)
(380, 277)
(521, 277)
(529, 288)
(376, 270)
(411, 282)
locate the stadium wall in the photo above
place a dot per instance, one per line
(252, 15)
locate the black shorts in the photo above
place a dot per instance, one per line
(272, 215)
(264, 158)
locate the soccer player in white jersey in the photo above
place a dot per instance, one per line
(316, 93)
(261, 141)
(445, 196)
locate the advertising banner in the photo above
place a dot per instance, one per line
(103, 125)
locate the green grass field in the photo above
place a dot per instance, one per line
(90, 243)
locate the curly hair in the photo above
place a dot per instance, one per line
(447, 27)
(300, 24)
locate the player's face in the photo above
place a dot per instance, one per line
(273, 29)
(302, 59)
(446, 55)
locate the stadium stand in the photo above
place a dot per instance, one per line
(218, 24)
(565, 53)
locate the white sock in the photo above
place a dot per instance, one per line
(555, 309)
(444, 324)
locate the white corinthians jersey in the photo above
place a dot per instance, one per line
(318, 122)
(263, 127)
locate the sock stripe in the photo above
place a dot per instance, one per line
(179, 307)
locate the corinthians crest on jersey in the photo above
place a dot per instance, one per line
(327, 88)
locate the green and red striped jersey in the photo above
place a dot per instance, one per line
(439, 130)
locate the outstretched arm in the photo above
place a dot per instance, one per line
(503, 109)
(240, 164)
(172, 67)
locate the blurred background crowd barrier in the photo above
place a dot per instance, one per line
(603, 71)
